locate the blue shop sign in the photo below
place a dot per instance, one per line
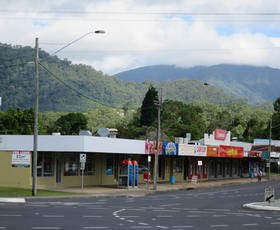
(169, 148)
(265, 155)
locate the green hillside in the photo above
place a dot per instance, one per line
(68, 87)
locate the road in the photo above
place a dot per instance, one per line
(211, 208)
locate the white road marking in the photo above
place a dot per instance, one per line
(202, 212)
(164, 227)
(52, 216)
(254, 224)
(275, 223)
(218, 225)
(268, 217)
(130, 216)
(10, 215)
(45, 228)
(93, 216)
(219, 210)
(187, 226)
(192, 216)
(221, 215)
(3, 227)
(96, 227)
(130, 221)
(144, 227)
(164, 216)
(143, 223)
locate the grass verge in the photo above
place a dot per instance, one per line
(20, 192)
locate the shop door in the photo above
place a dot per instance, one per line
(186, 168)
(161, 168)
(58, 170)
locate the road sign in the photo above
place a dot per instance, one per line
(83, 165)
(269, 194)
(83, 157)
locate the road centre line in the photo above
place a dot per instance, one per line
(275, 223)
(10, 215)
(46, 228)
(218, 225)
(254, 224)
(3, 227)
(187, 226)
(164, 227)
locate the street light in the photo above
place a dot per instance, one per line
(36, 103)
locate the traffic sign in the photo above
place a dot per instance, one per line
(83, 157)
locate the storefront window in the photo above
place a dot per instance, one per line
(177, 165)
(70, 164)
(90, 166)
(109, 165)
(45, 164)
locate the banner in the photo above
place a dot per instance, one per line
(186, 150)
(151, 148)
(170, 149)
(212, 151)
(255, 154)
(231, 151)
(220, 134)
(200, 150)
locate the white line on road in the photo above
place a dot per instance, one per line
(130, 216)
(130, 221)
(140, 227)
(143, 223)
(96, 227)
(275, 223)
(9, 215)
(221, 215)
(46, 228)
(164, 227)
(218, 225)
(187, 226)
(193, 216)
(164, 216)
(93, 216)
(254, 224)
(52, 216)
(3, 227)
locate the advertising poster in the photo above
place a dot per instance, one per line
(200, 150)
(170, 148)
(21, 159)
(212, 151)
(220, 134)
(150, 147)
(186, 150)
(231, 151)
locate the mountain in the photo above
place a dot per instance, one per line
(66, 87)
(258, 84)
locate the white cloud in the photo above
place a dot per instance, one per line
(147, 32)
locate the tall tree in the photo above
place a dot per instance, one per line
(71, 123)
(148, 108)
(276, 105)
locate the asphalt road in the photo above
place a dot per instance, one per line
(212, 208)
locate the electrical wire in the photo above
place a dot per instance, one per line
(70, 87)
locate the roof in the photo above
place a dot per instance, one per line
(65, 143)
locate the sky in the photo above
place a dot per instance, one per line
(139, 33)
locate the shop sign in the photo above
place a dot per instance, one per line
(274, 154)
(265, 155)
(200, 150)
(151, 148)
(186, 150)
(21, 159)
(212, 151)
(170, 148)
(255, 154)
(220, 134)
(231, 151)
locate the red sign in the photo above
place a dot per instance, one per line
(212, 151)
(231, 151)
(146, 176)
(220, 134)
(255, 154)
(151, 148)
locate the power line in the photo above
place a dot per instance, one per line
(70, 87)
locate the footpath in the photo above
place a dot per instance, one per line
(144, 189)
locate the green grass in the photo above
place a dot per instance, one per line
(20, 192)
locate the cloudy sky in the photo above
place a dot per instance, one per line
(147, 32)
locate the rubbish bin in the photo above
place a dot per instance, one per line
(172, 179)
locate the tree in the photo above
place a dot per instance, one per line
(148, 112)
(276, 105)
(71, 123)
(17, 121)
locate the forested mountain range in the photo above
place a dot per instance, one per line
(68, 87)
(258, 84)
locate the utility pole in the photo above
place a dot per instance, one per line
(269, 147)
(36, 105)
(159, 105)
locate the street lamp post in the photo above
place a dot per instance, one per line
(269, 147)
(36, 103)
